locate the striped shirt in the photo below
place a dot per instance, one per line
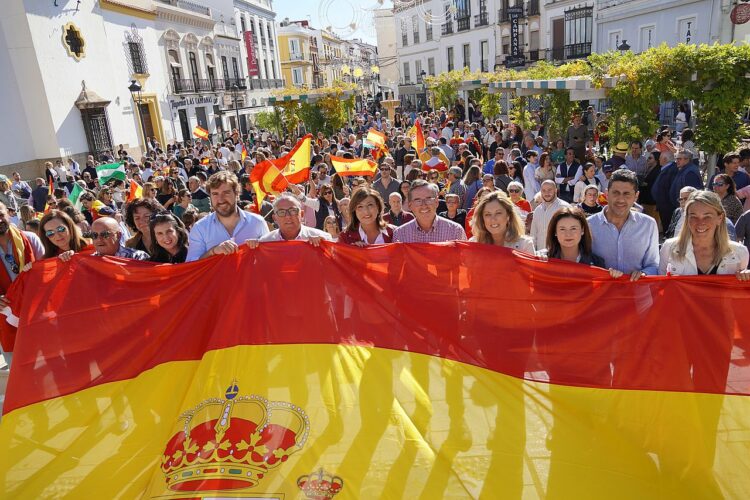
(441, 230)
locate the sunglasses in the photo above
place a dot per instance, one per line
(10, 259)
(514, 190)
(103, 235)
(58, 229)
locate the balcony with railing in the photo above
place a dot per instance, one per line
(197, 85)
(502, 16)
(577, 50)
(532, 8)
(189, 6)
(481, 19)
(447, 29)
(463, 23)
(297, 56)
(265, 83)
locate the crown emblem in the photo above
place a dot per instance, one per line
(320, 485)
(232, 442)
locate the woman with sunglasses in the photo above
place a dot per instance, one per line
(515, 191)
(321, 201)
(61, 237)
(169, 238)
(725, 187)
(183, 203)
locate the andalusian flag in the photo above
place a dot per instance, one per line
(321, 380)
(356, 167)
(266, 179)
(135, 191)
(75, 196)
(295, 165)
(110, 171)
(417, 136)
(200, 132)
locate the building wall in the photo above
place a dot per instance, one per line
(666, 20)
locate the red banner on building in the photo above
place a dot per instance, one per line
(252, 61)
(398, 371)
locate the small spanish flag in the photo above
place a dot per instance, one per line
(136, 191)
(204, 161)
(243, 151)
(417, 136)
(356, 167)
(266, 178)
(375, 139)
(50, 192)
(200, 132)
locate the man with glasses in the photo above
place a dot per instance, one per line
(287, 214)
(106, 234)
(426, 227)
(386, 184)
(489, 167)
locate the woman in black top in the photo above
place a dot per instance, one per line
(590, 203)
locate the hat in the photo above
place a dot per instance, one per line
(608, 167)
(621, 147)
(455, 171)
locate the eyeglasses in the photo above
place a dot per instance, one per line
(418, 202)
(58, 229)
(514, 190)
(104, 235)
(283, 212)
(720, 184)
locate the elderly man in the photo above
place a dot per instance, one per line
(396, 215)
(222, 231)
(287, 214)
(457, 185)
(106, 234)
(627, 240)
(201, 199)
(426, 227)
(544, 212)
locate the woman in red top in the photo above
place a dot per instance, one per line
(366, 224)
(61, 236)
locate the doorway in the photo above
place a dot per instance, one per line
(558, 39)
(184, 125)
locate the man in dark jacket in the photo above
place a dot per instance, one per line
(661, 187)
(39, 195)
(687, 175)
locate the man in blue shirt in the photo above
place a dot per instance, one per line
(228, 227)
(489, 167)
(628, 241)
(732, 169)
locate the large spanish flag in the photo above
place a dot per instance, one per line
(397, 371)
(295, 165)
(347, 167)
(417, 137)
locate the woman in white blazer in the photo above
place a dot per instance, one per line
(703, 246)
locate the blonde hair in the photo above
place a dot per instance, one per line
(721, 235)
(515, 227)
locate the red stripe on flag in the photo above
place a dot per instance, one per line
(552, 321)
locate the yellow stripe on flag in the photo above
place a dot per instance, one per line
(346, 167)
(375, 137)
(200, 132)
(387, 424)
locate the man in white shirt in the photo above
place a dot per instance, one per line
(224, 150)
(287, 214)
(544, 212)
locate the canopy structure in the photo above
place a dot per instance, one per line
(312, 97)
(580, 89)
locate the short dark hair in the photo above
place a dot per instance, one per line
(731, 156)
(744, 153)
(639, 143)
(624, 175)
(148, 203)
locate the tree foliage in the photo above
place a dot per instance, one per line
(713, 76)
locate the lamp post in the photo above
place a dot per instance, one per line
(235, 93)
(135, 92)
(623, 47)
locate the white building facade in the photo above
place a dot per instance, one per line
(387, 55)
(649, 23)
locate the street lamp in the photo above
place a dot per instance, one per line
(135, 92)
(623, 47)
(235, 93)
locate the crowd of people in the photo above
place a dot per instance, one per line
(641, 211)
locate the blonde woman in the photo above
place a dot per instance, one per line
(495, 222)
(703, 246)
(331, 226)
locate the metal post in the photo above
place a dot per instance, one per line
(135, 89)
(235, 93)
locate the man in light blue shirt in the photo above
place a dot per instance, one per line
(628, 241)
(227, 227)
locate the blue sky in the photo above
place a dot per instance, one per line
(339, 14)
